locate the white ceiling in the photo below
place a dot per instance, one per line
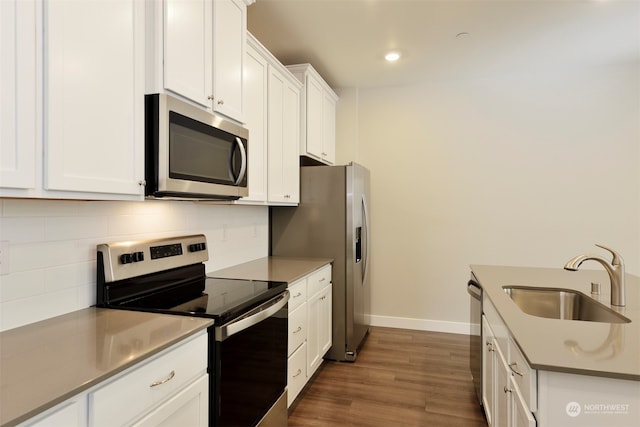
(345, 40)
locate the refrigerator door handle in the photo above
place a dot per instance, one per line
(365, 263)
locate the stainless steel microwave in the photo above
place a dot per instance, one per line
(191, 153)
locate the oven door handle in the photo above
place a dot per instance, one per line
(253, 317)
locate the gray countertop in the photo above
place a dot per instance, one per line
(587, 348)
(48, 362)
(275, 268)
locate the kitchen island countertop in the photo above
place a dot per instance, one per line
(579, 347)
(47, 362)
(275, 268)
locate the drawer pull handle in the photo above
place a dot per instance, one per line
(322, 280)
(297, 330)
(506, 389)
(514, 369)
(297, 373)
(299, 294)
(160, 382)
(489, 346)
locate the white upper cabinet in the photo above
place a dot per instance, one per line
(188, 44)
(255, 92)
(272, 108)
(229, 37)
(197, 52)
(318, 117)
(72, 117)
(18, 79)
(94, 96)
(283, 139)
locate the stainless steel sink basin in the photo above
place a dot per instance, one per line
(557, 303)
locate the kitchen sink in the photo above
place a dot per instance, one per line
(558, 303)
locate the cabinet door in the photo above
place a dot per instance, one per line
(188, 49)
(329, 128)
(255, 93)
(314, 358)
(325, 322)
(291, 142)
(229, 36)
(94, 96)
(283, 139)
(521, 416)
(190, 407)
(71, 413)
(488, 371)
(18, 76)
(314, 131)
(318, 328)
(502, 376)
(276, 157)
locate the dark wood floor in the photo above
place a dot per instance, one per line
(401, 378)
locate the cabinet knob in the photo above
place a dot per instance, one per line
(210, 97)
(506, 389)
(142, 183)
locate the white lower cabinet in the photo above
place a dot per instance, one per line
(71, 413)
(319, 321)
(297, 373)
(516, 395)
(150, 386)
(169, 389)
(509, 385)
(190, 407)
(310, 335)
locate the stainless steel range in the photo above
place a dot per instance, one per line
(248, 341)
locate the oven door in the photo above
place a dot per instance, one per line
(251, 364)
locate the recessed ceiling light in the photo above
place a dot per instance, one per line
(392, 56)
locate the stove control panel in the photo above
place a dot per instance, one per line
(123, 260)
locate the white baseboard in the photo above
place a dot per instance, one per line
(423, 324)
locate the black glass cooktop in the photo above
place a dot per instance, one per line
(218, 299)
(225, 299)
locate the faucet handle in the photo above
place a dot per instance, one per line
(617, 259)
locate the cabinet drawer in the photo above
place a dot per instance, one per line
(319, 279)
(524, 376)
(297, 328)
(141, 388)
(298, 294)
(297, 373)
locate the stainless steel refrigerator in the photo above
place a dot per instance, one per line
(332, 220)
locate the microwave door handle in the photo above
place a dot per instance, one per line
(243, 165)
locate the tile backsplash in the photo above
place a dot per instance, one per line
(50, 267)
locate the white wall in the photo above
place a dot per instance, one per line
(52, 246)
(523, 170)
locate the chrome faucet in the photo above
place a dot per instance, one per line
(615, 270)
